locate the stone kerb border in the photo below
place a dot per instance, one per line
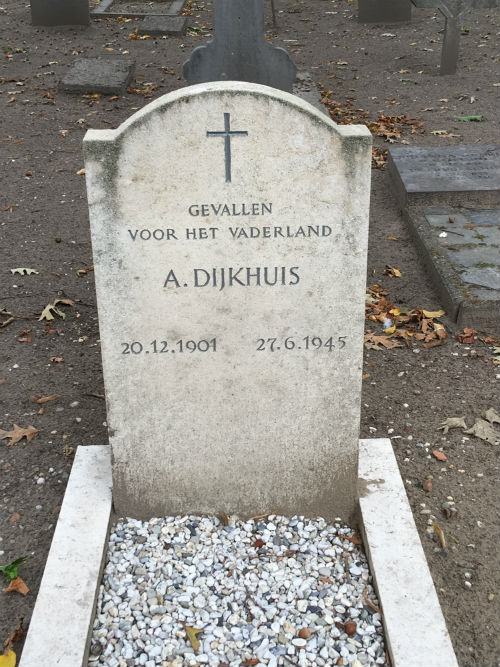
(414, 625)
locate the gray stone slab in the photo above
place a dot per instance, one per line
(60, 12)
(384, 11)
(163, 25)
(240, 51)
(453, 175)
(466, 275)
(96, 75)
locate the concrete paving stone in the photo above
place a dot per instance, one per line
(163, 25)
(486, 277)
(95, 75)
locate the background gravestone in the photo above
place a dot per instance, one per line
(60, 12)
(231, 302)
(239, 50)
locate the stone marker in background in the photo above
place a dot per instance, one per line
(383, 11)
(95, 75)
(445, 174)
(239, 50)
(60, 12)
(163, 25)
(231, 302)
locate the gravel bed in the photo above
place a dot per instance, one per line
(268, 591)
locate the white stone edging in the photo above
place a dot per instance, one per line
(60, 626)
(415, 628)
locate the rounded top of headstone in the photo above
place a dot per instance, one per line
(228, 89)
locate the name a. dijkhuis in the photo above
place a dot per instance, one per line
(205, 210)
(244, 276)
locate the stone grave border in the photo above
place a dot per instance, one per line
(61, 625)
(101, 11)
(452, 290)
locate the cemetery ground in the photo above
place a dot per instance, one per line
(51, 378)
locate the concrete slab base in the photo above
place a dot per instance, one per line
(414, 625)
(95, 75)
(163, 25)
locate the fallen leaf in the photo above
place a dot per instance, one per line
(18, 433)
(452, 422)
(441, 456)
(24, 271)
(492, 416)
(392, 238)
(427, 485)
(440, 534)
(18, 586)
(327, 580)
(8, 659)
(251, 661)
(258, 543)
(80, 172)
(47, 311)
(484, 430)
(46, 399)
(365, 376)
(433, 313)
(15, 636)
(56, 360)
(467, 335)
(392, 272)
(191, 633)
(372, 342)
(11, 569)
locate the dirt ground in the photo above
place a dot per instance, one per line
(388, 70)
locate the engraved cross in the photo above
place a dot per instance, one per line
(227, 134)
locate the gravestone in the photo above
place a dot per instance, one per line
(230, 292)
(445, 174)
(239, 50)
(109, 76)
(384, 11)
(452, 10)
(60, 12)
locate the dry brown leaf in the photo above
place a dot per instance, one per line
(372, 342)
(452, 422)
(47, 311)
(18, 433)
(56, 360)
(468, 335)
(440, 534)
(440, 456)
(46, 399)
(16, 634)
(484, 430)
(17, 585)
(392, 272)
(492, 416)
(191, 633)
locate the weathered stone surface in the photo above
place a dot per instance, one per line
(450, 175)
(60, 12)
(231, 301)
(461, 250)
(239, 50)
(96, 75)
(384, 11)
(163, 25)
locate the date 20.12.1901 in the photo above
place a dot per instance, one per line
(210, 345)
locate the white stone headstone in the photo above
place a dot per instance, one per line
(229, 227)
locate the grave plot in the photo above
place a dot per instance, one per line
(450, 196)
(232, 368)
